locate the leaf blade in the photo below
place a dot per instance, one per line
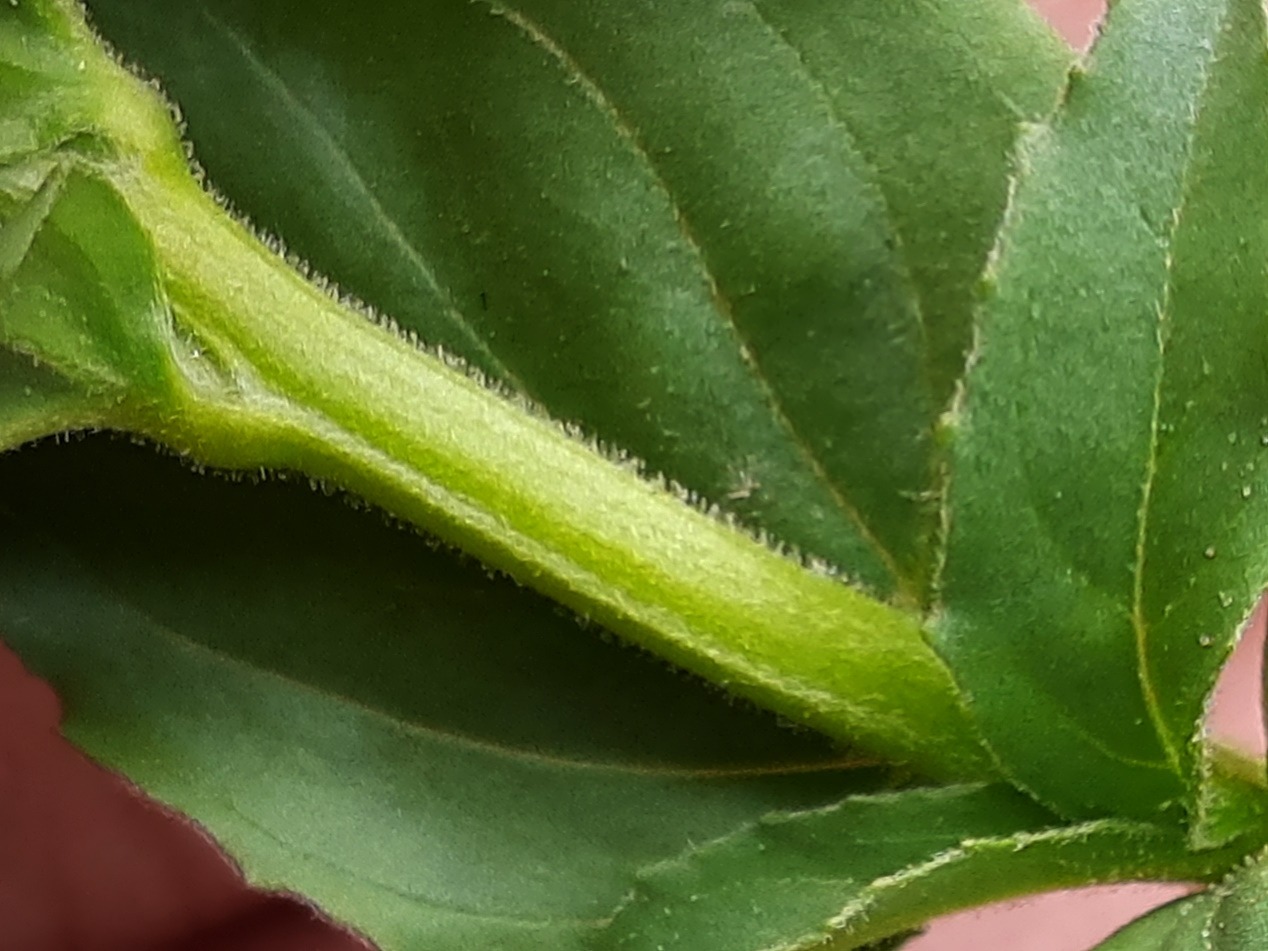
(934, 95)
(1070, 368)
(377, 733)
(873, 866)
(1178, 926)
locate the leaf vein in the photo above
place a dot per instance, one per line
(352, 177)
(409, 894)
(848, 131)
(1140, 623)
(629, 135)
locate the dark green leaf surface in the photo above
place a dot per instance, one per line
(1232, 916)
(1109, 506)
(783, 882)
(933, 94)
(877, 865)
(708, 232)
(435, 756)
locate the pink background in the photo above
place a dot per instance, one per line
(89, 865)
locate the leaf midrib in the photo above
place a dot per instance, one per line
(1140, 623)
(627, 133)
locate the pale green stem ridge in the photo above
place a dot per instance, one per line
(267, 370)
(321, 390)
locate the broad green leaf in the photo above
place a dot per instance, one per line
(737, 240)
(1232, 916)
(435, 756)
(781, 882)
(205, 341)
(934, 94)
(877, 865)
(1108, 510)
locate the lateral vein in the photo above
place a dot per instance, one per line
(722, 305)
(353, 177)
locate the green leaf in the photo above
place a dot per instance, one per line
(79, 300)
(1230, 917)
(934, 94)
(878, 865)
(1240, 921)
(735, 240)
(1109, 510)
(784, 880)
(698, 231)
(243, 364)
(437, 757)
(81, 288)
(1178, 926)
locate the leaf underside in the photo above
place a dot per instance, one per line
(435, 756)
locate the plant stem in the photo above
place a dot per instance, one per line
(323, 391)
(269, 371)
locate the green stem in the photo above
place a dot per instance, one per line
(332, 395)
(280, 375)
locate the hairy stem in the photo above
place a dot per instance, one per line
(267, 370)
